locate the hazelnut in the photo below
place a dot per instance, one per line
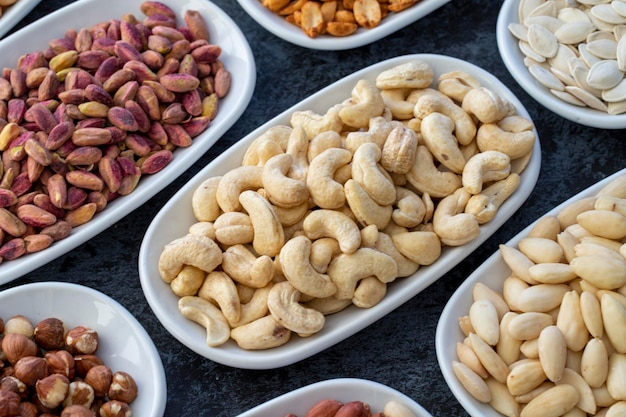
(52, 390)
(9, 404)
(85, 362)
(49, 334)
(80, 393)
(61, 362)
(81, 340)
(99, 377)
(115, 408)
(123, 387)
(28, 409)
(29, 369)
(76, 410)
(19, 324)
(15, 346)
(11, 383)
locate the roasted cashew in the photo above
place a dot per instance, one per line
(456, 84)
(369, 292)
(314, 124)
(188, 281)
(254, 308)
(395, 101)
(234, 182)
(297, 147)
(385, 244)
(451, 224)
(465, 128)
(202, 229)
(513, 135)
(208, 316)
(371, 176)
(244, 267)
(410, 209)
(199, 251)
(323, 250)
(484, 206)
(289, 216)
(436, 130)
(262, 333)
(365, 209)
(365, 104)
(331, 223)
(413, 74)
(485, 167)
(283, 190)
(426, 178)
(296, 266)
(369, 236)
(486, 105)
(323, 141)
(377, 132)
(220, 289)
(284, 306)
(324, 190)
(204, 201)
(399, 150)
(271, 142)
(268, 232)
(421, 247)
(232, 228)
(346, 270)
(328, 305)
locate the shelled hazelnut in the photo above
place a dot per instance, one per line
(49, 334)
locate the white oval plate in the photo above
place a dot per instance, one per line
(124, 343)
(237, 58)
(15, 13)
(299, 401)
(514, 61)
(277, 25)
(491, 273)
(176, 216)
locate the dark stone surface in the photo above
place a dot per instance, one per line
(398, 350)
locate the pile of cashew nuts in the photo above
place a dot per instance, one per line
(325, 212)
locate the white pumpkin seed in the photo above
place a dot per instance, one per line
(600, 34)
(571, 15)
(568, 98)
(619, 7)
(549, 8)
(593, 2)
(607, 13)
(604, 75)
(519, 31)
(546, 78)
(618, 107)
(603, 48)
(620, 54)
(588, 57)
(542, 41)
(526, 7)
(562, 57)
(574, 32)
(550, 23)
(530, 52)
(615, 94)
(564, 76)
(619, 31)
(586, 97)
(579, 73)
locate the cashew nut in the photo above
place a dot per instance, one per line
(203, 229)
(324, 190)
(268, 232)
(328, 305)
(486, 105)
(395, 100)
(410, 209)
(451, 224)
(334, 224)
(188, 281)
(323, 250)
(465, 128)
(262, 333)
(513, 135)
(426, 178)
(273, 141)
(371, 176)
(283, 190)
(233, 227)
(365, 104)
(413, 74)
(421, 247)
(323, 141)
(436, 130)
(199, 251)
(314, 124)
(289, 216)
(485, 205)
(297, 147)
(234, 182)
(283, 304)
(377, 132)
(204, 201)
(485, 167)
(207, 315)
(297, 268)
(399, 150)
(365, 209)
(255, 307)
(456, 84)
(346, 270)
(369, 236)
(406, 266)
(219, 288)
(369, 292)
(244, 267)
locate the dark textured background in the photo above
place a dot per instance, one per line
(398, 350)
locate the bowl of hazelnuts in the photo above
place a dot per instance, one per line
(69, 350)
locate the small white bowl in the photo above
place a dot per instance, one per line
(277, 25)
(124, 344)
(302, 399)
(176, 216)
(15, 13)
(236, 55)
(491, 273)
(514, 60)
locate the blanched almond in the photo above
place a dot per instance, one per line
(554, 402)
(472, 382)
(489, 358)
(528, 325)
(616, 378)
(592, 315)
(570, 322)
(518, 262)
(539, 249)
(614, 319)
(594, 364)
(508, 347)
(541, 297)
(552, 352)
(484, 318)
(524, 376)
(567, 216)
(467, 357)
(604, 223)
(501, 399)
(601, 271)
(586, 401)
(480, 291)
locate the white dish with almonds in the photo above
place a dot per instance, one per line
(12, 15)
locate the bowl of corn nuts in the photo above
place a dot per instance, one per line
(12, 11)
(336, 25)
(540, 327)
(570, 59)
(112, 124)
(75, 348)
(328, 397)
(261, 259)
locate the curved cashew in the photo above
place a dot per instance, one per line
(188, 281)
(334, 224)
(365, 209)
(324, 190)
(296, 266)
(406, 266)
(465, 128)
(234, 182)
(456, 84)
(430, 207)
(484, 167)
(208, 316)
(513, 135)
(271, 142)
(283, 190)
(289, 216)
(297, 147)
(454, 227)
(246, 268)
(486, 105)
(199, 251)
(219, 288)
(369, 236)
(269, 236)
(436, 130)
(262, 333)
(233, 227)
(371, 176)
(395, 101)
(283, 304)
(328, 305)
(410, 209)
(313, 123)
(254, 308)
(399, 150)
(377, 132)
(426, 178)
(204, 201)
(421, 247)
(346, 270)
(202, 229)
(369, 292)
(323, 141)
(366, 103)
(485, 205)
(413, 74)
(323, 250)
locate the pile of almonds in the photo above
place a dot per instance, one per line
(82, 121)
(48, 370)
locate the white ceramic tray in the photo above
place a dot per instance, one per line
(491, 273)
(236, 55)
(14, 14)
(176, 216)
(394, 22)
(124, 345)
